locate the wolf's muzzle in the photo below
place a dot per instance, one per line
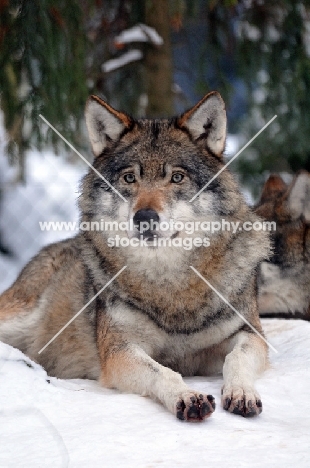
(146, 221)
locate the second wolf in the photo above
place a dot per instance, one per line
(284, 281)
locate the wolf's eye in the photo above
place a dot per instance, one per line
(129, 178)
(177, 177)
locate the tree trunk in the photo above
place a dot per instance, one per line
(159, 61)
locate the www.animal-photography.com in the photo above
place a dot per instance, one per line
(154, 233)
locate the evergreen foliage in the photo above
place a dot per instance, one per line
(266, 44)
(42, 71)
(52, 51)
(273, 59)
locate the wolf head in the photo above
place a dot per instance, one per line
(284, 281)
(153, 168)
(148, 171)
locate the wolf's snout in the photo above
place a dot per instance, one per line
(146, 221)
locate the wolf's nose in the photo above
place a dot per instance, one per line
(145, 216)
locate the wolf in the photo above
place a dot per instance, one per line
(284, 280)
(158, 320)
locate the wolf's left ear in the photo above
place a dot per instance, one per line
(273, 188)
(104, 124)
(207, 121)
(299, 196)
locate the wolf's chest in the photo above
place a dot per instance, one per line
(140, 328)
(173, 307)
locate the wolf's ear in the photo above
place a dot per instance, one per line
(207, 121)
(299, 196)
(104, 123)
(274, 187)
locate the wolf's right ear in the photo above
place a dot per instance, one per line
(299, 196)
(104, 123)
(206, 122)
(274, 187)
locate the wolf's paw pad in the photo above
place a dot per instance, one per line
(246, 403)
(195, 407)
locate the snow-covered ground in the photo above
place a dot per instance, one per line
(50, 194)
(47, 422)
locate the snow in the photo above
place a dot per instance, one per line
(50, 194)
(77, 423)
(128, 57)
(139, 33)
(232, 145)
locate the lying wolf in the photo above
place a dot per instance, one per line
(158, 319)
(284, 281)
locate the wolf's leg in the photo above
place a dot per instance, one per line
(24, 304)
(128, 368)
(132, 370)
(242, 366)
(24, 294)
(20, 307)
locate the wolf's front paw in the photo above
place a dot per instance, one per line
(194, 406)
(238, 400)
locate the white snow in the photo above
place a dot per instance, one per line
(128, 57)
(50, 194)
(139, 33)
(77, 423)
(232, 145)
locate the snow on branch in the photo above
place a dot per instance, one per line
(139, 33)
(128, 57)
